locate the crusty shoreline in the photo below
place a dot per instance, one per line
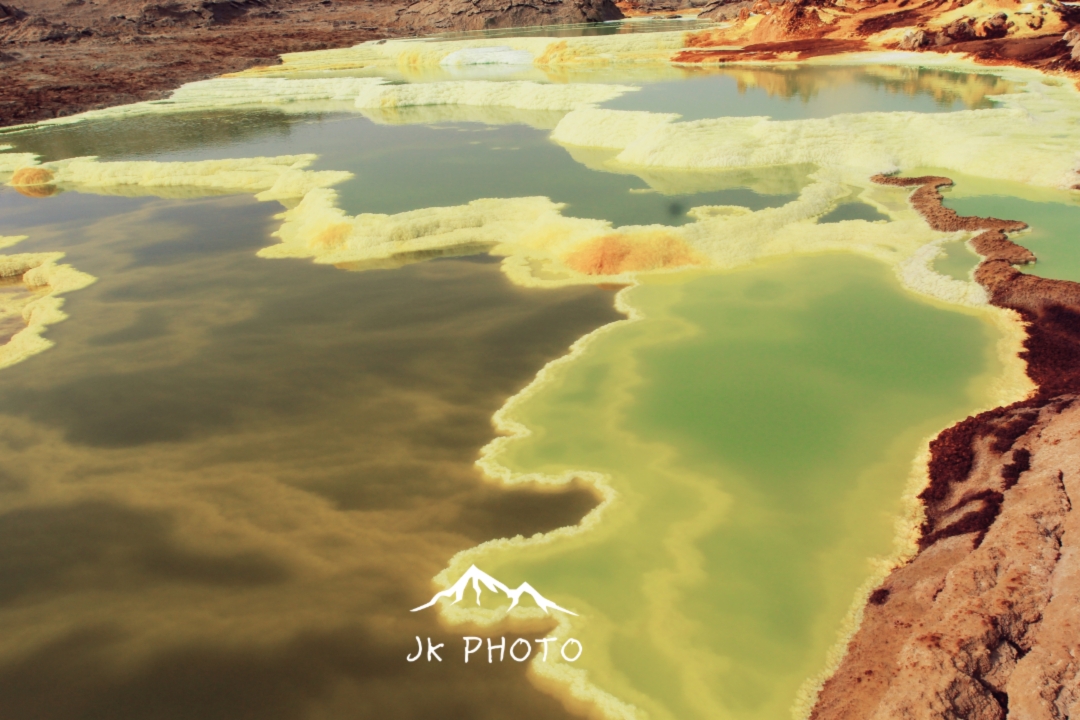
(979, 624)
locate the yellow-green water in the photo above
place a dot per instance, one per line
(760, 427)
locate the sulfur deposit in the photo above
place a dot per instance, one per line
(30, 288)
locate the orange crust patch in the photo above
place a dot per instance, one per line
(27, 176)
(617, 253)
(331, 238)
(33, 182)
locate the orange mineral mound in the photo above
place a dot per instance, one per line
(331, 238)
(618, 253)
(33, 182)
(31, 176)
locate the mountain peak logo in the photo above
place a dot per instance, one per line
(480, 578)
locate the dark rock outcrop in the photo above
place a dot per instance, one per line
(11, 14)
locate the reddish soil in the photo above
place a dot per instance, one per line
(1048, 53)
(60, 57)
(799, 29)
(969, 628)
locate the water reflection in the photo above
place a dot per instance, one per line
(406, 167)
(151, 135)
(229, 481)
(14, 296)
(791, 93)
(948, 88)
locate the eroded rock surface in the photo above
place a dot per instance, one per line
(721, 10)
(995, 31)
(982, 623)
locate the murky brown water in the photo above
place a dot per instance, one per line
(230, 480)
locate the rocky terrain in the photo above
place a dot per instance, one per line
(59, 57)
(990, 31)
(982, 624)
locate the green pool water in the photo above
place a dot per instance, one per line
(761, 428)
(957, 260)
(795, 93)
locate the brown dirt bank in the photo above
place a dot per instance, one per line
(982, 623)
(61, 57)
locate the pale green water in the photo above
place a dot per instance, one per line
(407, 167)
(761, 427)
(812, 92)
(853, 211)
(1053, 217)
(958, 260)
